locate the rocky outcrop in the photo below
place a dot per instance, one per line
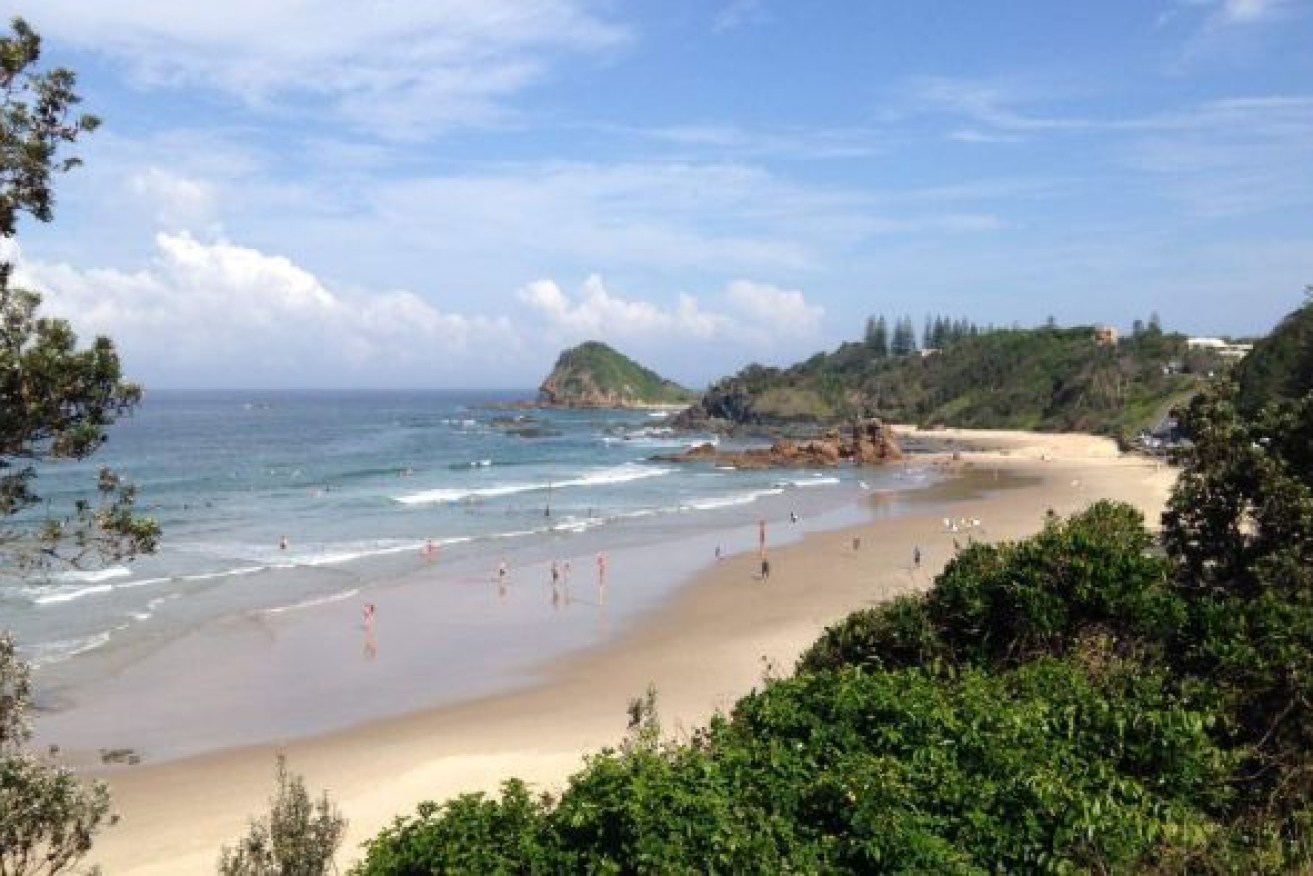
(868, 442)
(593, 375)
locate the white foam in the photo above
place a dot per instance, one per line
(713, 502)
(604, 477)
(311, 603)
(815, 481)
(63, 649)
(93, 576)
(68, 594)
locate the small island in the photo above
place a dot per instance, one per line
(595, 375)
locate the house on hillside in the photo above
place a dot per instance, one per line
(1105, 336)
(1221, 347)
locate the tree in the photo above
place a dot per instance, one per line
(297, 838)
(877, 337)
(1239, 526)
(55, 403)
(904, 341)
(47, 816)
(56, 400)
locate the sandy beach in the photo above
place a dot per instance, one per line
(702, 650)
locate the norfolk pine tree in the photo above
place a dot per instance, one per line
(55, 403)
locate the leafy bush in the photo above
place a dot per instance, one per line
(297, 838)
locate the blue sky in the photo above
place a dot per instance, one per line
(326, 193)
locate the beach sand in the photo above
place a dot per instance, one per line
(701, 650)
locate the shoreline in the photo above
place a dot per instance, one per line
(702, 649)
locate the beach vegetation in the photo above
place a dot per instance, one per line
(48, 816)
(297, 837)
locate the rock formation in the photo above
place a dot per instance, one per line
(869, 442)
(593, 375)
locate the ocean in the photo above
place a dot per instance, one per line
(276, 504)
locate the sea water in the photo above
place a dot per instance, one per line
(277, 503)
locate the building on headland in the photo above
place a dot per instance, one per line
(1221, 347)
(1105, 336)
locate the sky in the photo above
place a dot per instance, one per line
(447, 193)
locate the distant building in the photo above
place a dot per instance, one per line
(1221, 347)
(1105, 336)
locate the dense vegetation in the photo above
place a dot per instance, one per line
(1086, 700)
(1047, 378)
(1280, 367)
(594, 374)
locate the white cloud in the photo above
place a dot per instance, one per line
(396, 67)
(750, 313)
(599, 314)
(214, 312)
(774, 310)
(177, 202)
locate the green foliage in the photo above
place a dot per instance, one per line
(907, 771)
(469, 834)
(1240, 528)
(297, 838)
(594, 369)
(1280, 367)
(894, 635)
(1046, 378)
(1092, 574)
(57, 400)
(1091, 577)
(36, 119)
(47, 816)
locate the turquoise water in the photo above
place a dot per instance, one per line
(281, 501)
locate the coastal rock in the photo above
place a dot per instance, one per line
(869, 442)
(593, 375)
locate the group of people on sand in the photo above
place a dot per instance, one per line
(559, 572)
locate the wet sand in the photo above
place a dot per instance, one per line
(702, 650)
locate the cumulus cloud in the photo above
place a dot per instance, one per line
(748, 313)
(204, 309)
(775, 310)
(598, 314)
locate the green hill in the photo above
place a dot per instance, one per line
(593, 375)
(1280, 367)
(1049, 378)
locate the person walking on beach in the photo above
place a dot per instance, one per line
(916, 556)
(601, 567)
(282, 543)
(556, 573)
(371, 643)
(501, 572)
(857, 543)
(765, 568)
